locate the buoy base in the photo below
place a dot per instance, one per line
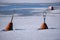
(44, 26)
(9, 27)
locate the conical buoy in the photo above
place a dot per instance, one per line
(51, 7)
(9, 26)
(44, 26)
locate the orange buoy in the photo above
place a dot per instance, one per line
(44, 26)
(9, 26)
(51, 7)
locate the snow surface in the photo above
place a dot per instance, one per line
(26, 28)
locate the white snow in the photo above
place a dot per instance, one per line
(26, 28)
(30, 1)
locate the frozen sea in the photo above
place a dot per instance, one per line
(26, 27)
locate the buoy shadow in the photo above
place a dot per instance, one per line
(52, 28)
(46, 29)
(40, 29)
(10, 30)
(19, 29)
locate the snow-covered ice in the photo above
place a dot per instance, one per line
(26, 28)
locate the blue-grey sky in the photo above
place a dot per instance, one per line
(29, 1)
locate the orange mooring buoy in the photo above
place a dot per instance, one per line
(44, 25)
(9, 26)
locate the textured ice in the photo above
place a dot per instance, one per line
(26, 28)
